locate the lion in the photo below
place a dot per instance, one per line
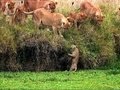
(75, 58)
(57, 21)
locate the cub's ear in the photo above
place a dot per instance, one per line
(70, 20)
(13, 3)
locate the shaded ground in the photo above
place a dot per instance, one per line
(83, 79)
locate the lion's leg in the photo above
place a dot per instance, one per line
(75, 22)
(54, 30)
(36, 24)
(79, 25)
(60, 33)
(73, 67)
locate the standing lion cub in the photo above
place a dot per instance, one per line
(75, 58)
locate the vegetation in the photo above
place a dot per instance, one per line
(24, 48)
(99, 45)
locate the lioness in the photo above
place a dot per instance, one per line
(57, 21)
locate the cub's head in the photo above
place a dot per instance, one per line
(10, 6)
(99, 17)
(51, 6)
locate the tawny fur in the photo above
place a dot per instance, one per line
(10, 5)
(35, 4)
(75, 58)
(77, 18)
(55, 20)
(92, 11)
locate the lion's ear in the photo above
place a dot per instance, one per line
(8, 4)
(118, 8)
(22, 2)
(56, 3)
(72, 3)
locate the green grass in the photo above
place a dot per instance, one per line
(82, 80)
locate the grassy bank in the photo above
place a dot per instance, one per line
(30, 49)
(82, 80)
